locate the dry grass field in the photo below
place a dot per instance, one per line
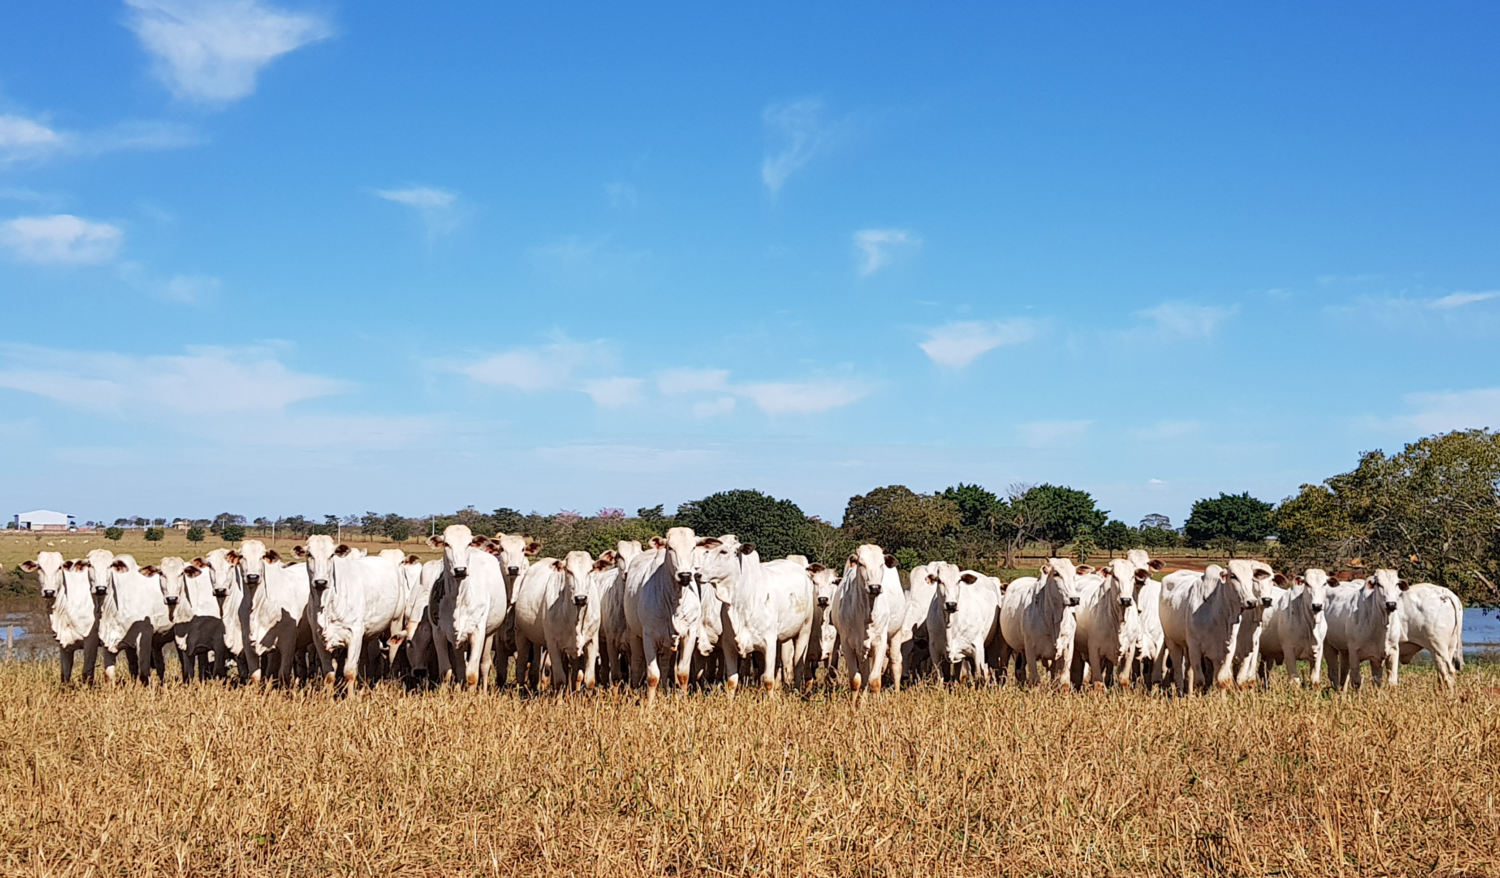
(208, 780)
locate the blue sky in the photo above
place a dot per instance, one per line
(329, 257)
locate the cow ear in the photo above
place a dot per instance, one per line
(890, 560)
(557, 565)
(149, 570)
(815, 567)
(968, 579)
(746, 548)
(30, 566)
(658, 543)
(272, 557)
(1083, 569)
(341, 550)
(1045, 570)
(1155, 564)
(1403, 584)
(1279, 579)
(710, 543)
(532, 548)
(478, 542)
(1262, 573)
(1142, 574)
(198, 562)
(436, 542)
(1370, 584)
(119, 565)
(191, 572)
(233, 556)
(853, 560)
(299, 551)
(412, 559)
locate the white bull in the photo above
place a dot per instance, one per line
(1037, 621)
(1364, 624)
(768, 609)
(1432, 618)
(869, 611)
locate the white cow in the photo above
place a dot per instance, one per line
(98, 562)
(418, 630)
(71, 610)
(1432, 618)
(134, 615)
(1294, 626)
(357, 599)
(480, 600)
(198, 629)
(1364, 624)
(515, 553)
(767, 609)
(1149, 644)
(962, 618)
(570, 619)
(234, 608)
(612, 628)
(662, 612)
(1265, 583)
(1038, 620)
(869, 611)
(916, 649)
(1109, 622)
(274, 623)
(1200, 617)
(822, 649)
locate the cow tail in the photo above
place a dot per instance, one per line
(1458, 636)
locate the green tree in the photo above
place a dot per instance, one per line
(195, 534)
(1059, 514)
(777, 528)
(896, 517)
(232, 533)
(398, 530)
(154, 534)
(654, 516)
(1227, 520)
(1083, 546)
(114, 533)
(1156, 520)
(1114, 536)
(827, 544)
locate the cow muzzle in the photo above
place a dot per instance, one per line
(49, 593)
(823, 603)
(100, 590)
(950, 607)
(252, 578)
(460, 572)
(684, 578)
(320, 584)
(1265, 603)
(171, 601)
(223, 592)
(1125, 602)
(1317, 608)
(513, 570)
(873, 590)
(1073, 601)
(580, 600)
(1390, 606)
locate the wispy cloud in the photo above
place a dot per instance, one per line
(1181, 319)
(200, 381)
(713, 408)
(1441, 411)
(27, 140)
(212, 51)
(60, 239)
(796, 133)
(552, 366)
(1166, 431)
(674, 381)
(183, 289)
(1458, 300)
(22, 138)
(876, 247)
(437, 208)
(614, 393)
(809, 397)
(956, 345)
(618, 458)
(1043, 434)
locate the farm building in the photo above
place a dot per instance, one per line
(44, 519)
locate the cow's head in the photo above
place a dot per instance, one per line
(825, 582)
(1388, 585)
(99, 562)
(513, 550)
(624, 551)
(867, 566)
(252, 559)
(1314, 582)
(681, 543)
(1062, 575)
(579, 584)
(458, 544)
(174, 584)
(721, 563)
(48, 568)
(1251, 581)
(948, 582)
(1126, 577)
(319, 554)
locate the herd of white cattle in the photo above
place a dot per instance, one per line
(712, 609)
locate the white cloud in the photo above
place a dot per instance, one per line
(1166, 431)
(60, 238)
(1180, 319)
(437, 208)
(616, 459)
(875, 247)
(201, 381)
(22, 138)
(1452, 410)
(535, 369)
(1042, 434)
(184, 289)
(613, 393)
(1155, 483)
(713, 408)
(803, 397)
(1458, 300)
(956, 345)
(674, 381)
(796, 133)
(212, 50)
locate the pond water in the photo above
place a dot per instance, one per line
(1481, 629)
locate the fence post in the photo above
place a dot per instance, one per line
(10, 643)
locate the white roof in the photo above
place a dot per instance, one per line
(38, 512)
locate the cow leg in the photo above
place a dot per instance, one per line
(65, 663)
(473, 660)
(730, 655)
(90, 658)
(487, 662)
(653, 666)
(557, 667)
(686, 649)
(351, 660)
(1351, 670)
(588, 674)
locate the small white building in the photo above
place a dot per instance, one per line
(44, 519)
